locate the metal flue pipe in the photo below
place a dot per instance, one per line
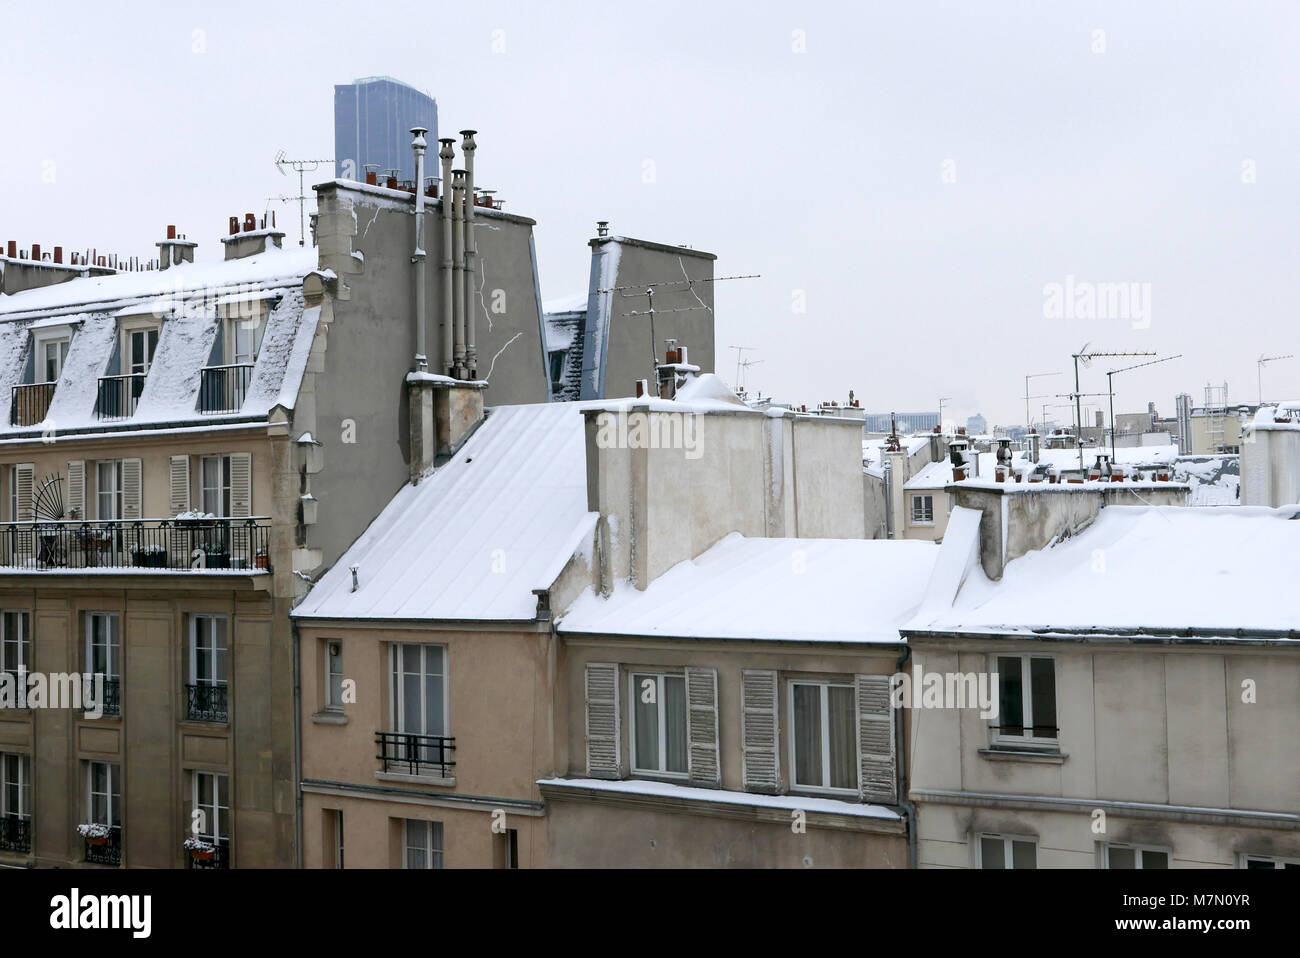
(468, 146)
(446, 154)
(418, 144)
(458, 267)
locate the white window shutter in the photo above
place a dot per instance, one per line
(24, 480)
(702, 726)
(180, 485)
(760, 730)
(132, 489)
(604, 730)
(877, 775)
(241, 485)
(77, 489)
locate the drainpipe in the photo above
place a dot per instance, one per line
(446, 155)
(900, 743)
(297, 740)
(458, 268)
(468, 146)
(417, 256)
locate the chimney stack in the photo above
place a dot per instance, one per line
(254, 237)
(446, 154)
(459, 282)
(468, 146)
(174, 250)
(418, 145)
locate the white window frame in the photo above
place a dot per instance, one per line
(1000, 737)
(209, 680)
(112, 646)
(221, 490)
(1139, 854)
(13, 492)
(1007, 848)
(234, 324)
(825, 702)
(634, 699)
(1273, 861)
(211, 811)
(113, 493)
(433, 847)
(396, 668)
(54, 336)
(337, 814)
(21, 782)
(139, 328)
(333, 701)
(20, 647)
(112, 797)
(921, 504)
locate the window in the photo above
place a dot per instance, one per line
(1026, 700)
(1135, 856)
(105, 793)
(923, 510)
(140, 347)
(658, 723)
(15, 643)
(334, 836)
(52, 355)
(508, 853)
(333, 674)
(15, 786)
(215, 476)
(208, 669)
(1004, 851)
(1263, 861)
(556, 357)
(824, 736)
(211, 799)
(245, 334)
(423, 844)
(104, 655)
(108, 486)
(419, 692)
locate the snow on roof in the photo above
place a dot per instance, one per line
(872, 448)
(1278, 416)
(474, 539)
(1164, 567)
(934, 475)
(1124, 455)
(572, 303)
(831, 590)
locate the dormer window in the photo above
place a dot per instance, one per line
(53, 354)
(139, 348)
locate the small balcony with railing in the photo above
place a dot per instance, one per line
(222, 389)
(15, 833)
(106, 850)
(29, 403)
(218, 857)
(206, 702)
(176, 545)
(420, 756)
(118, 396)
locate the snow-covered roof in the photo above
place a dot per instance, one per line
(872, 449)
(1124, 455)
(572, 303)
(934, 475)
(1164, 568)
(830, 590)
(472, 540)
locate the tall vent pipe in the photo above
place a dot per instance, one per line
(458, 265)
(446, 154)
(468, 146)
(418, 144)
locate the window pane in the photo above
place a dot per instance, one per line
(675, 722)
(1010, 696)
(992, 854)
(1120, 858)
(807, 735)
(1042, 687)
(1024, 855)
(411, 713)
(433, 707)
(645, 718)
(844, 740)
(1152, 859)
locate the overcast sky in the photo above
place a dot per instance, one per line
(913, 175)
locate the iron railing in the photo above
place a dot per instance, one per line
(17, 680)
(223, 388)
(412, 754)
(29, 403)
(15, 833)
(119, 395)
(112, 704)
(206, 702)
(179, 545)
(220, 856)
(108, 851)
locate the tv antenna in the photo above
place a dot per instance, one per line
(301, 167)
(1259, 371)
(1086, 356)
(740, 359)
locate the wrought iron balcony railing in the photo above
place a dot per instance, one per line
(206, 702)
(220, 856)
(223, 388)
(119, 395)
(15, 833)
(180, 545)
(29, 403)
(412, 754)
(112, 704)
(105, 852)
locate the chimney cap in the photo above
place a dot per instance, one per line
(419, 130)
(468, 132)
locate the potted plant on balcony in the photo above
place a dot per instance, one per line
(94, 833)
(200, 850)
(216, 555)
(150, 556)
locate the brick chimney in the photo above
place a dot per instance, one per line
(252, 236)
(175, 249)
(443, 412)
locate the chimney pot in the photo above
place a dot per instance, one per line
(36, 252)
(171, 232)
(250, 222)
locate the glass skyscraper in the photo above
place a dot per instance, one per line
(373, 117)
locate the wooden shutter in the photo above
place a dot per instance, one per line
(132, 501)
(702, 726)
(760, 730)
(180, 485)
(24, 479)
(77, 489)
(241, 485)
(604, 730)
(878, 781)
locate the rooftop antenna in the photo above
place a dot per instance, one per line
(942, 400)
(300, 167)
(1110, 388)
(1259, 371)
(1086, 356)
(745, 366)
(740, 356)
(1028, 397)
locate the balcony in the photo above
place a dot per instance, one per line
(29, 403)
(206, 702)
(15, 833)
(223, 388)
(119, 395)
(112, 704)
(220, 856)
(176, 545)
(107, 851)
(409, 754)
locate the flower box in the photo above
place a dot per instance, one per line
(94, 833)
